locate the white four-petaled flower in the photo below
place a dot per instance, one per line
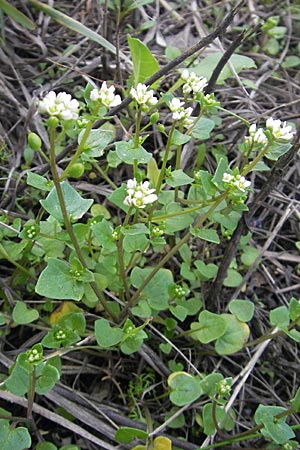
(143, 96)
(59, 105)
(179, 112)
(193, 83)
(237, 181)
(138, 194)
(105, 95)
(280, 130)
(257, 135)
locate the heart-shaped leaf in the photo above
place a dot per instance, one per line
(106, 335)
(23, 315)
(210, 327)
(235, 336)
(185, 388)
(57, 281)
(14, 438)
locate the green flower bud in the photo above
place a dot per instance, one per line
(76, 170)
(53, 122)
(34, 141)
(154, 117)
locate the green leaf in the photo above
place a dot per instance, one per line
(207, 183)
(131, 344)
(208, 421)
(137, 242)
(39, 182)
(207, 235)
(206, 271)
(20, 378)
(295, 402)
(14, 438)
(235, 336)
(17, 16)
(279, 317)
(209, 384)
(185, 388)
(179, 138)
(221, 169)
(277, 150)
(210, 327)
(129, 154)
(233, 278)
(203, 128)
(47, 376)
(74, 25)
(156, 291)
(144, 63)
(208, 64)
(53, 338)
(153, 171)
(106, 335)
(96, 143)
(56, 281)
(75, 204)
(73, 321)
(291, 61)
(118, 197)
(103, 233)
(46, 446)
(178, 178)
(23, 315)
(242, 309)
(249, 255)
(294, 309)
(127, 434)
(275, 429)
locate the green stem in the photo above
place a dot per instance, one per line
(242, 119)
(31, 393)
(79, 150)
(165, 160)
(104, 175)
(67, 222)
(247, 168)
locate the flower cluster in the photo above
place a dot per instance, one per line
(279, 131)
(138, 194)
(236, 181)
(257, 135)
(35, 354)
(179, 112)
(193, 83)
(223, 387)
(143, 96)
(105, 95)
(59, 105)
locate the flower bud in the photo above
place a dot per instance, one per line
(34, 141)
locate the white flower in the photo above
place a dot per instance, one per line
(280, 130)
(138, 194)
(105, 95)
(179, 112)
(237, 181)
(193, 83)
(241, 183)
(61, 106)
(143, 96)
(256, 135)
(227, 177)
